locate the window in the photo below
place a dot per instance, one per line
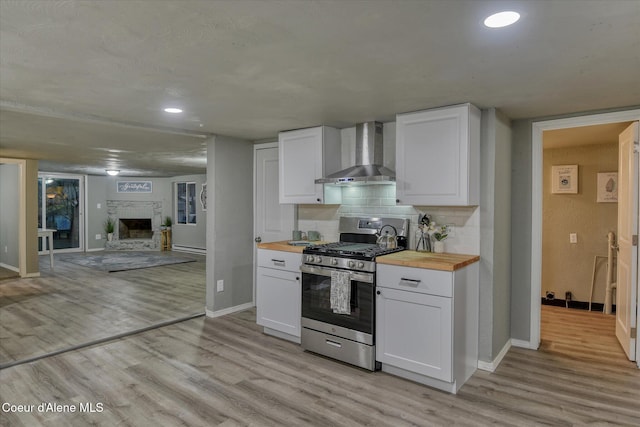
(186, 202)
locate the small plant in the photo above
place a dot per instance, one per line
(167, 221)
(109, 226)
(441, 233)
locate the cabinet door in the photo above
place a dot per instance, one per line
(437, 156)
(278, 300)
(300, 165)
(414, 332)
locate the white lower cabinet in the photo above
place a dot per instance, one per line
(279, 293)
(427, 324)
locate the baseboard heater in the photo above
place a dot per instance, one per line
(190, 249)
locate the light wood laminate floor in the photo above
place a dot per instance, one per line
(73, 305)
(225, 372)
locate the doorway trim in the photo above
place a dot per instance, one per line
(537, 130)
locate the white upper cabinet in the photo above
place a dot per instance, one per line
(307, 155)
(438, 157)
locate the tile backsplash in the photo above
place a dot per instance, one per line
(380, 200)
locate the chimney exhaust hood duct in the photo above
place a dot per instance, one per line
(368, 168)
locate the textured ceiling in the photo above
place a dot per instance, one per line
(81, 78)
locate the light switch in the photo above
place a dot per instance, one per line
(573, 238)
(99, 206)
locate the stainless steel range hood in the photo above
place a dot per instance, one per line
(368, 168)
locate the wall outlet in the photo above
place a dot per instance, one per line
(573, 238)
(220, 285)
(98, 236)
(99, 206)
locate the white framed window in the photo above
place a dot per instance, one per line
(186, 202)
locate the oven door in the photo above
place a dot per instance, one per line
(316, 300)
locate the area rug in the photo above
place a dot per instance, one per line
(124, 260)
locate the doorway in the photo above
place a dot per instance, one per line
(61, 208)
(577, 219)
(537, 195)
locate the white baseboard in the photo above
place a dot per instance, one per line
(188, 249)
(523, 344)
(31, 275)
(9, 267)
(229, 310)
(491, 366)
(95, 250)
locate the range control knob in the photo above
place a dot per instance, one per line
(318, 259)
(309, 258)
(361, 264)
(334, 261)
(351, 264)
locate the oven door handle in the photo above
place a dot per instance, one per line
(323, 271)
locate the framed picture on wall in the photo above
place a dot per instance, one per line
(203, 197)
(607, 187)
(564, 179)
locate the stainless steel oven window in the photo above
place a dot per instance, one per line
(316, 297)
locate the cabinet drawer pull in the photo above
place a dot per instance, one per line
(279, 262)
(333, 343)
(409, 282)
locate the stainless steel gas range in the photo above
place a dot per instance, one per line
(338, 290)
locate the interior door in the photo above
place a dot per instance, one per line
(627, 278)
(272, 221)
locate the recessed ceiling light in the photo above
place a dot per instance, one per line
(173, 110)
(112, 172)
(502, 19)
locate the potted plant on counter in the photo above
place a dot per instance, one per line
(109, 228)
(440, 234)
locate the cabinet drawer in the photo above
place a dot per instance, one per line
(433, 282)
(279, 260)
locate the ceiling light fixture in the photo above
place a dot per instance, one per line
(112, 172)
(502, 19)
(173, 110)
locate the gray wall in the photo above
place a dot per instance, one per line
(521, 229)
(230, 222)
(495, 229)
(502, 236)
(103, 188)
(9, 215)
(96, 192)
(190, 235)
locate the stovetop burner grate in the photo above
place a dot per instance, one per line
(350, 249)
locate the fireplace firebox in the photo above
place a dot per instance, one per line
(135, 228)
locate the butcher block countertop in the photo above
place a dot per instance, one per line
(430, 260)
(284, 246)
